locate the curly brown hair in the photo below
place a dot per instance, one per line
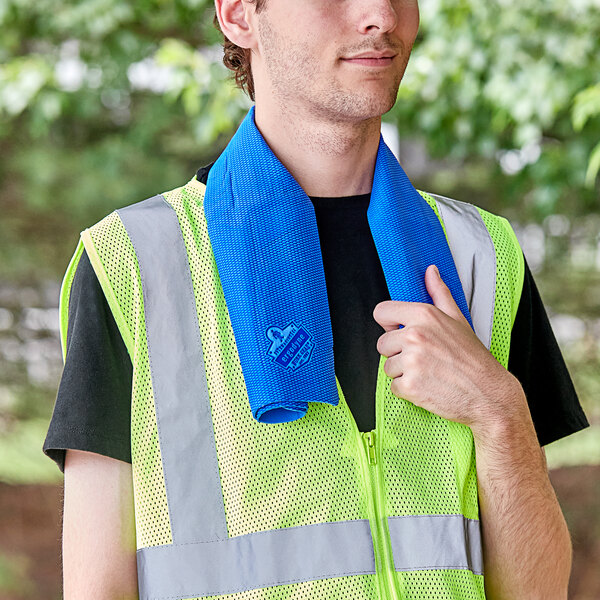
(238, 59)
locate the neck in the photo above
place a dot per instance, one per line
(328, 158)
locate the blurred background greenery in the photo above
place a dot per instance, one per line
(103, 103)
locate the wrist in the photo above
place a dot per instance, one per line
(509, 418)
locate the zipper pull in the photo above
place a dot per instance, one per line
(370, 442)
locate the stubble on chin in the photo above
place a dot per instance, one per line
(297, 78)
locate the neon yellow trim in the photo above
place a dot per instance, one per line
(109, 293)
(521, 269)
(65, 293)
(433, 204)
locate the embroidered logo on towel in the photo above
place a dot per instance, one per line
(291, 347)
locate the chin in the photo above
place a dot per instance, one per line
(343, 103)
(373, 100)
(371, 106)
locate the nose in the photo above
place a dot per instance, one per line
(377, 15)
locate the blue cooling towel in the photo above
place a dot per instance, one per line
(264, 235)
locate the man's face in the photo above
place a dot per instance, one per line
(309, 54)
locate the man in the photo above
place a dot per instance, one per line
(292, 498)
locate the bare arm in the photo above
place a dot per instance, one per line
(527, 547)
(99, 544)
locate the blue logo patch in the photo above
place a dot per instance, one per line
(291, 347)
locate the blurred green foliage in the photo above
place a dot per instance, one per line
(13, 580)
(102, 103)
(105, 102)
(22, 461)
(586, 107)
(498, 80)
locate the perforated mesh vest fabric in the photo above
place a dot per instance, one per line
(306, 472)
(111, 254)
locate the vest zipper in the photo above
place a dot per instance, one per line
(381, 537)
(370, 461)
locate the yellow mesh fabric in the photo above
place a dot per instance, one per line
(463, 448)
(109, 248)
(443, 585)
(509, 282)
(461, 439)
(114, 261)
(420, 459)
(433, 204)
(437, 457)
(272, 475)
(350, 587)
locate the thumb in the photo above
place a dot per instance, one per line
(440, 294)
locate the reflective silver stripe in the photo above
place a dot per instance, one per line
(185, 432)
(436, 542)
(256, 560)
(475, 257)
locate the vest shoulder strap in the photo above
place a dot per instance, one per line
(114, 261)
(96, 240)
(490, 265)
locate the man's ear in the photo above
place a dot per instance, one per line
(235, 19)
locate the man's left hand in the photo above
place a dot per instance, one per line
(438, 363)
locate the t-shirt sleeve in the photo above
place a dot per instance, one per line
(536, 361)
(92, 410)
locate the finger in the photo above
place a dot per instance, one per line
(440, 294)
(392, 313)
(388, 343)
(393, 366)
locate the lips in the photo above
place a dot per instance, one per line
(370, 61)
(372, 58)
(372, 55)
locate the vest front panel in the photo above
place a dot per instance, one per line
(313, 481)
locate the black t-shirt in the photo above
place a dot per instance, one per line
(93, 405)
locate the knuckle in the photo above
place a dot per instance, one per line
(382, 308)
(412, 362)
(387, 368)
(381, 344)
(409, 386)
(376, 311)
(415, 335)
(429, 311)
(420, 355)
(432, 313)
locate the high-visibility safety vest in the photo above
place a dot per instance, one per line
(227, 507)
